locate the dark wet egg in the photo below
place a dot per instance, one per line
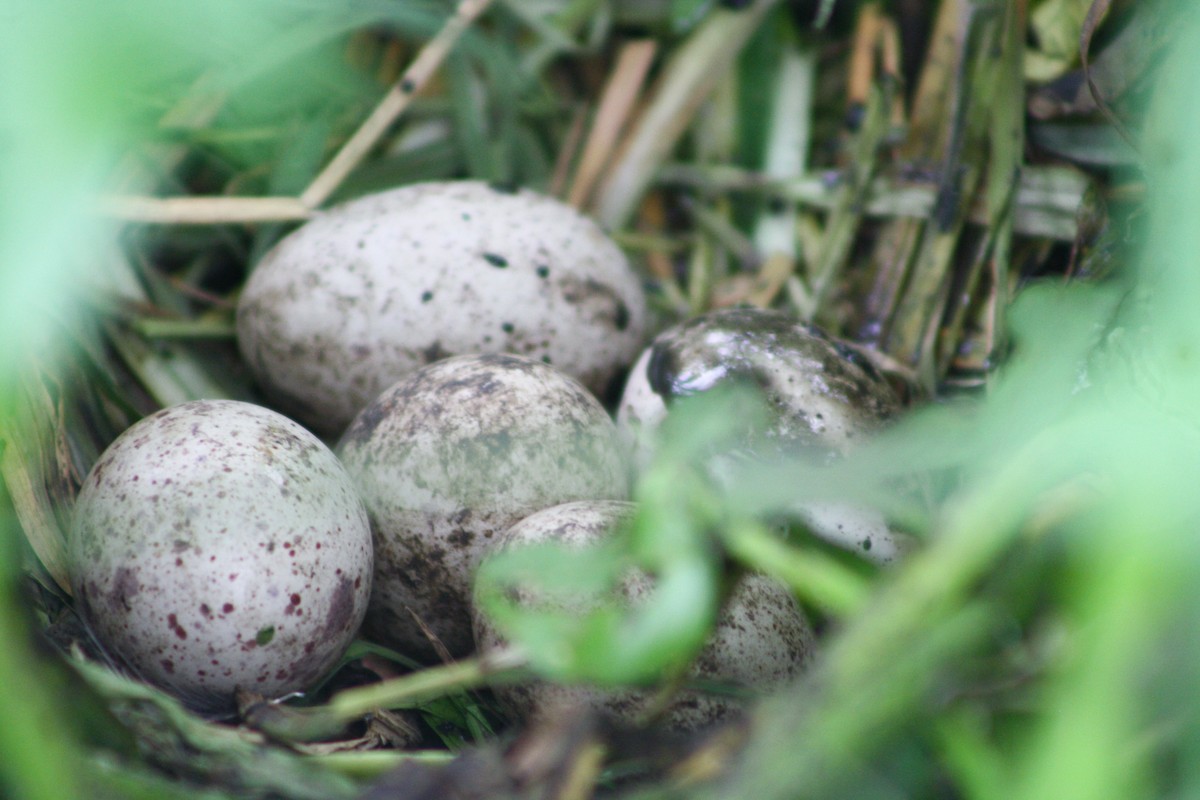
(823, 396)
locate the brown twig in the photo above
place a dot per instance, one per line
(616, 103)
(203, 210)
(567, 152)
(393, 104)
(218, 210)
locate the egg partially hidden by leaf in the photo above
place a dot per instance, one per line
(823, 394)
(761, 640)
(370, 290)
(451, 456)
(218, 545)
(823, 397)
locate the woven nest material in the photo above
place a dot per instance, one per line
(905, 221)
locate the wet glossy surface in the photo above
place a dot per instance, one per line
(822, 393)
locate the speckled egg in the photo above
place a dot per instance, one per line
(761, 640)
(372, 289)
(451, 456)
(824, 395)
(218, 545)
(822, 392)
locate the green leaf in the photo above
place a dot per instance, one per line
(1056, 25)
(685, 14)
(574, 621)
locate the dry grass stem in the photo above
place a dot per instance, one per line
(935, 87)
(393, 104)
(567, 152)
(203, 210)
(867, 31)
(616, 103)
(26, 487)
(689, 79)
(652, 221)
(222, 210)
(772, 277)
(1048, 197)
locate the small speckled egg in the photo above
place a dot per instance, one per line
(762, 637)
(218, 545)
(451, 456)
(372, 289)
(823, 396)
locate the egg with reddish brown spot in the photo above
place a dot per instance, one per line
(218, 545)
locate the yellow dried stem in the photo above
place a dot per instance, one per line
(203, 210)
(772, 277)
(567, 152)
(616, 103)
(688, 80)
(393, 104)
(867, 30)
(219, 210)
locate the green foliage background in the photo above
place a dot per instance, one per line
(1043, 644)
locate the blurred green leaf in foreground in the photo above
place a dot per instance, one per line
(1044, 642)
(80, 84)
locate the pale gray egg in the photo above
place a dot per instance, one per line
(762, 637)
(448, 458)
(219, 545)
(370, 290)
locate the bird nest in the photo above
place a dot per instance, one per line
(892, 175)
